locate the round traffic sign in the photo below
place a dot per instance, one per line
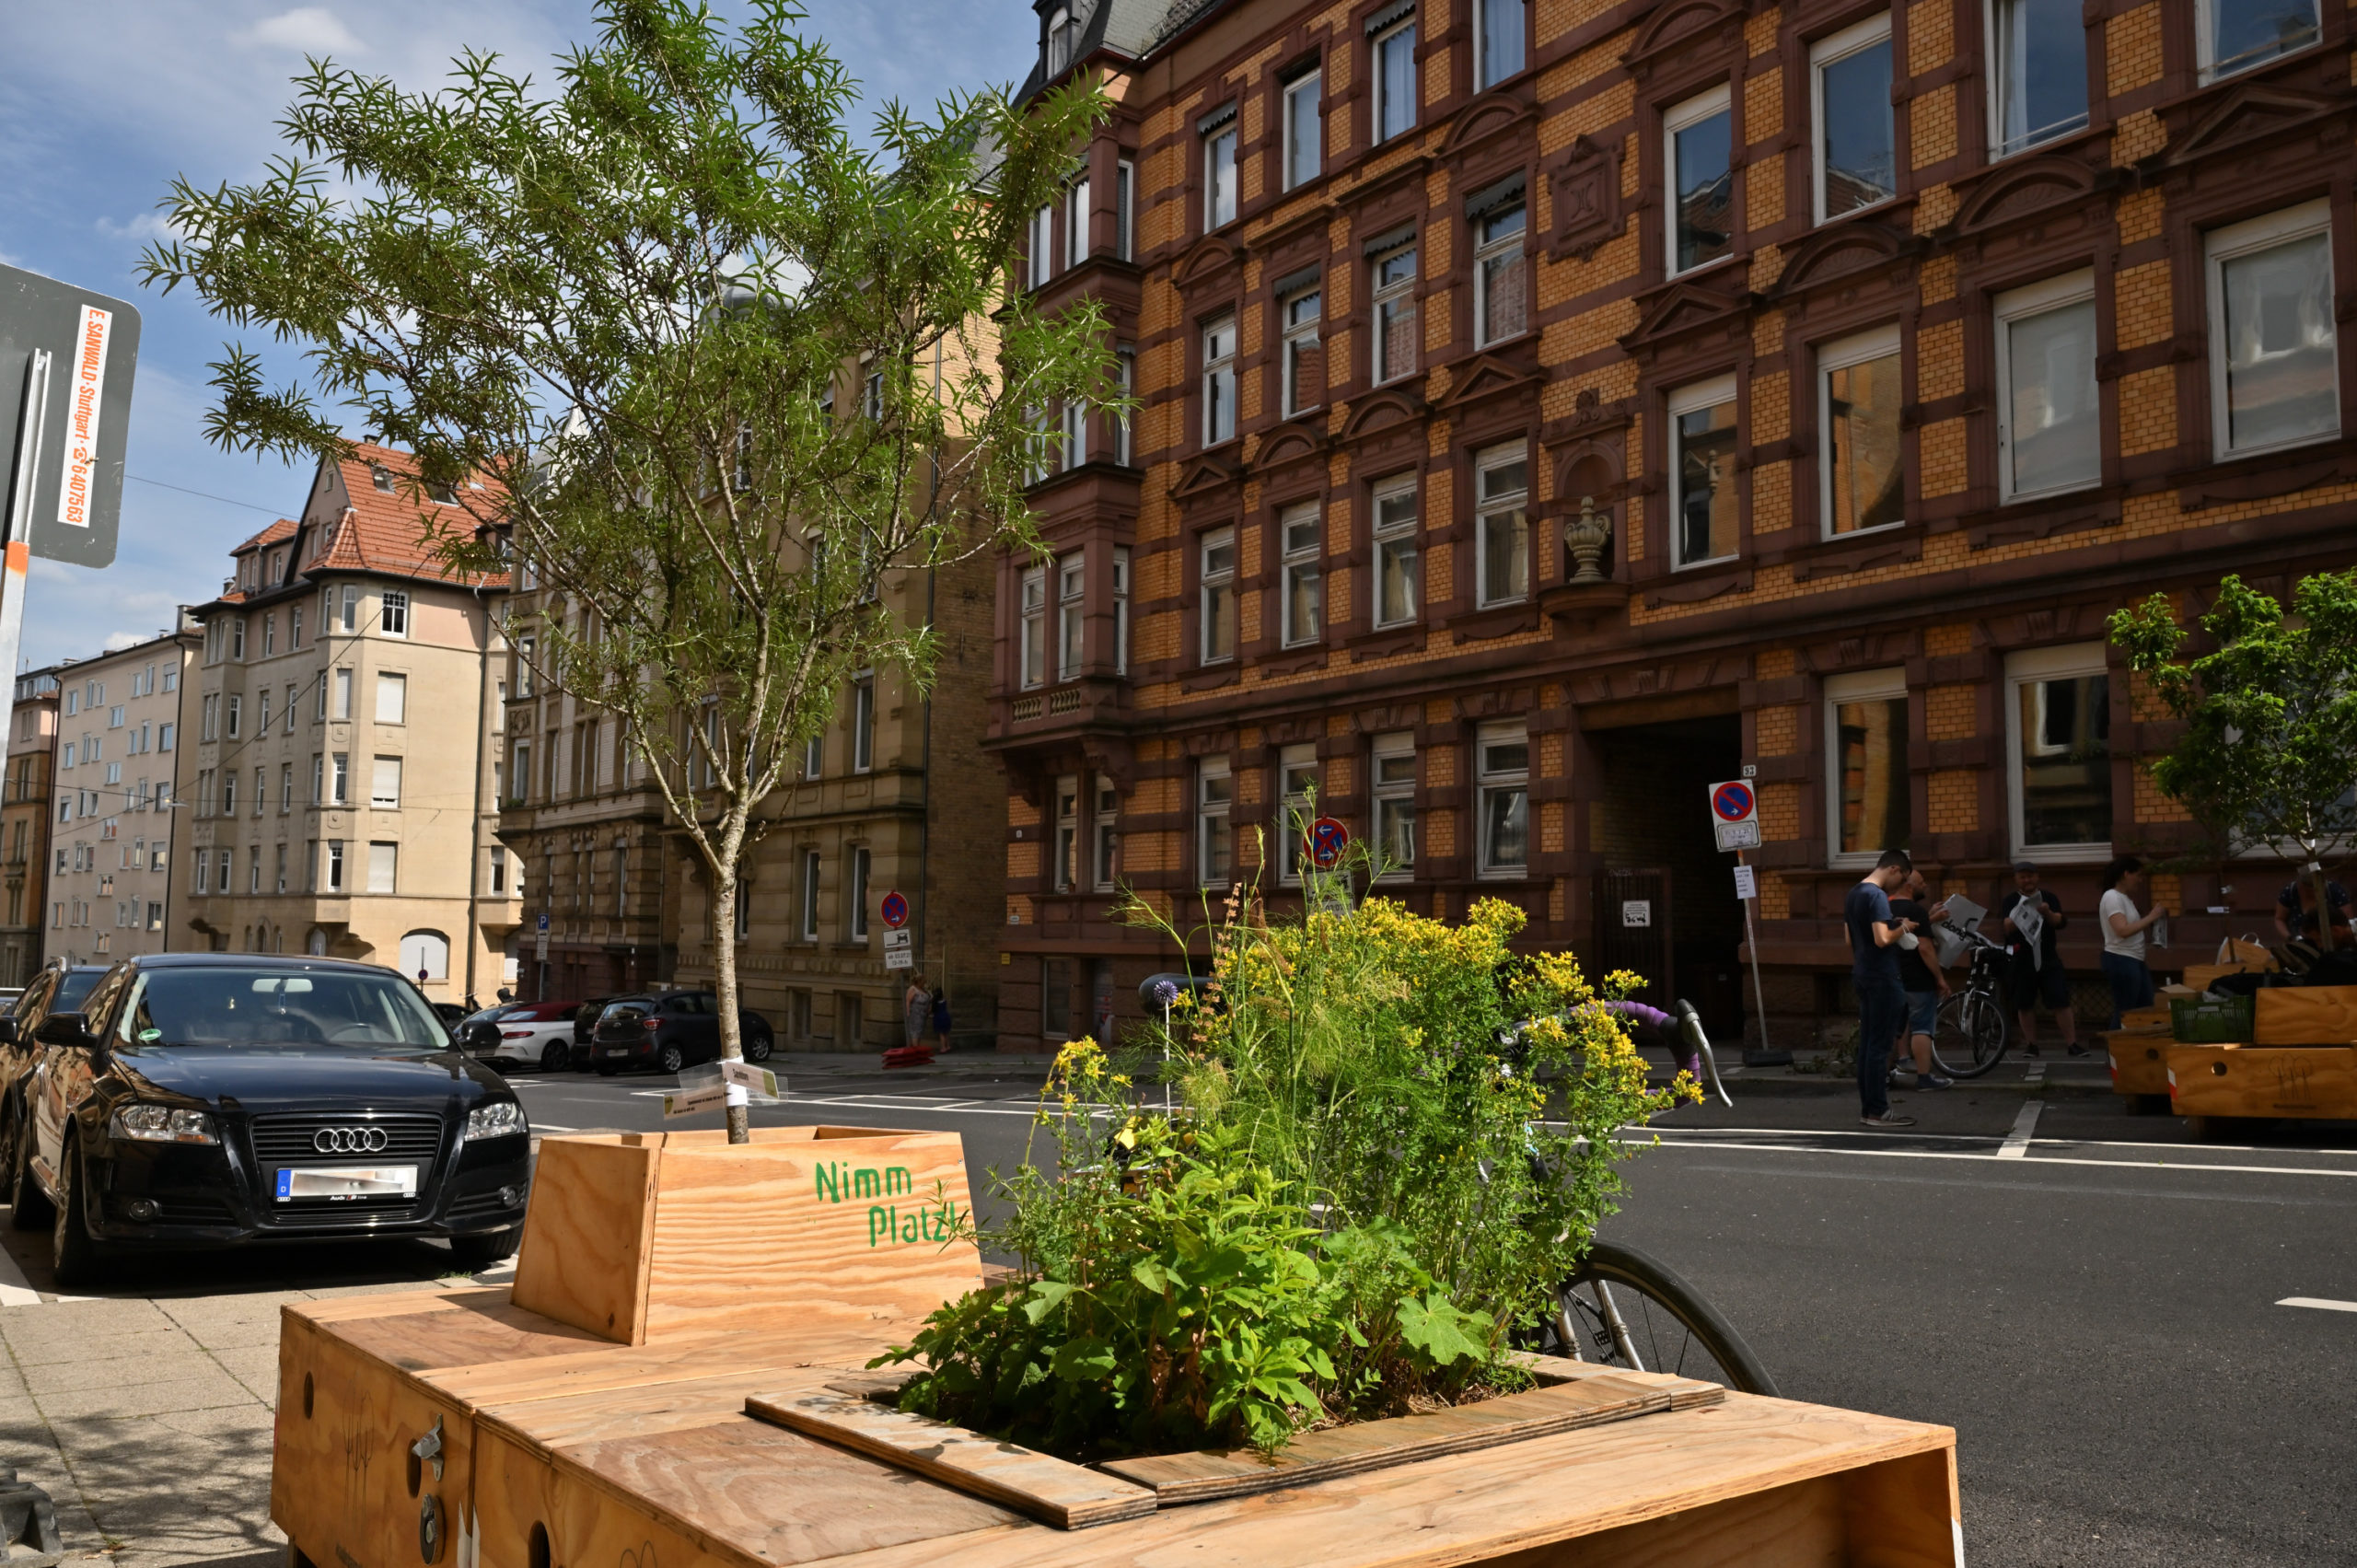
(1732, 801)
(895, 910)
(1328, 840)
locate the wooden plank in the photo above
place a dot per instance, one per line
(471, 1335)
(2306, 1014)
(587, 1232)
(1066, 1495)
(389, 1304)
(2243, 1080)
(846, 1228)
(2140, 1062)
(1383, 1445)
(1483, 1506)
(2147, 1021)
(614, 1367)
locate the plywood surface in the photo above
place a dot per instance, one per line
(2244, 1080)
(614, 1367)
(1067, 1495)
(2306, 1014)
(2140, 1062)
(586, 1233)
(471, 1334)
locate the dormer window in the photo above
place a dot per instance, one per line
(1061, 35)
(444, 494)
(382, 477)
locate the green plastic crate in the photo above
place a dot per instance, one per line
(2212, 1020)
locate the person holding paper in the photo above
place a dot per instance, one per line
(2029, 918)
(1919, 974)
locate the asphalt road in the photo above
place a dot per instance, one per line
(2087, 1298)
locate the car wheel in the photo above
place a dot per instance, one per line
(670, 1058)
(607, 1069)
(757, 1048)
(476, 1253)
(75, 1257)
(553, 1056)
(27, 1209)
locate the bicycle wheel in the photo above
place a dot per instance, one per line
(1622, 1309)
(1970, 1036)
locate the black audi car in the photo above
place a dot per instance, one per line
(212, 1099)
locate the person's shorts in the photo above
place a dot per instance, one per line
(2030, 985)
(1923, 1012)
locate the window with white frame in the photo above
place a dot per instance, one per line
(1076, 204)
(862, 722)
(1395, 314)
(1698, 151)
(392, 613)
(1035, 626)
(814, 756)
(2274, 374)
(809, 922)
(1071, 603)
(1106, 857)
(1065, 846)
(2050, 433)
(1121, 610)
(1498, 35)
(1305, 353)
(1856, 163)
(871, 396)
(1392, 781)
(1501, 276)
(384, 867)
(1073, 436)
(1861, 481)
(1219, 379)
(1305, 129)
(338, 781)
(1297, 806)
(350, 607)
(1501, 524)
(237, 647)
(1868, 794)
(2234, 35)
(856, 893)
(237, 708)
(385, 784)
(2037, 80)
(1702, 510)
(1394, 537)
(393, 698)
(1219, 169)
(1501, 773)
(1215, 837)
(1394, 74)
(1125, 362)
(1303, 586)
(1125, 182)
(2059, 744)
(1042, 246)
(1045, 443)
(1215, 576)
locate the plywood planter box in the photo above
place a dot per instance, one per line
(2318, 1081)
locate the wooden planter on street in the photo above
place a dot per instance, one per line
(2301, 1061)
(675, 1381)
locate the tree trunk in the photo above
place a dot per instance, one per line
(724, 894)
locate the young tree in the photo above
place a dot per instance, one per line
(2269, 753)
(629, 303)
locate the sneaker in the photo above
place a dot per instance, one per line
(1886, 1119)
(2029, 1050)
(1934, 1080)
(2078, 1050)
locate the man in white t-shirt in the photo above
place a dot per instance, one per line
(2123, 935)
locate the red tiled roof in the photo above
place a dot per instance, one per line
(388, 533)
(283, 529)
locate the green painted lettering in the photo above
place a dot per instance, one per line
(909, 1228)
(829, 1184)
(878, 1224)
(895, 1180)
(865, 1184)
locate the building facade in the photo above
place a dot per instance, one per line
(25, 812)
(343, 780)
(1549, 411)
(120, 725)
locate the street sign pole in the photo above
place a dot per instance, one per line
(1762, 1055)
(29, 419)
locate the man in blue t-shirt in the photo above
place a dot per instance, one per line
(1874, 947)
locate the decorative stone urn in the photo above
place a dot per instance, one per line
(1586, 536)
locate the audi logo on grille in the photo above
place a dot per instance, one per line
(350, 1140)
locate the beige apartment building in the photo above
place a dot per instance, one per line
(25, 812)
(117, 755)
(345, 774)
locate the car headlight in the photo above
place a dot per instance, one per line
(163, 1124)
(497, 1120)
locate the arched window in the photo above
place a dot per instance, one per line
(318, 946)
(426, 955)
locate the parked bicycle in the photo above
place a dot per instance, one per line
(1623, 1308)
(1974, 1030)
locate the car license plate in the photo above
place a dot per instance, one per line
(618, 1050)
(347, 1181)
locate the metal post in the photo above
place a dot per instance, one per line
(1760, 1055)
(19, 546)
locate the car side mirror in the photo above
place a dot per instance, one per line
(63, 1028)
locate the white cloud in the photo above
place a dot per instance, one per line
(307, 29)
(117, 641)
(145, 226)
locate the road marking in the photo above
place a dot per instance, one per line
(2181, 1166)
(2319, 1303)
(2016, 1144)
(17, 1291)
(2035, 1072)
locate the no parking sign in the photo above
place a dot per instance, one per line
(1734, 815)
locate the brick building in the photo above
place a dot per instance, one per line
(1865, 355)
(25, 812)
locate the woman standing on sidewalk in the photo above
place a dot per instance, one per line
(2123, 936)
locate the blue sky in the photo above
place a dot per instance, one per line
(106, 100)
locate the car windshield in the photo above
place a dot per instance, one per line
(260, 1007)
(72, 986)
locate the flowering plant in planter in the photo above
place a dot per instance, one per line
(1397, 1136)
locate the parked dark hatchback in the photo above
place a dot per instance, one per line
(210, 1099)
(58, 987)
(665, 1031)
